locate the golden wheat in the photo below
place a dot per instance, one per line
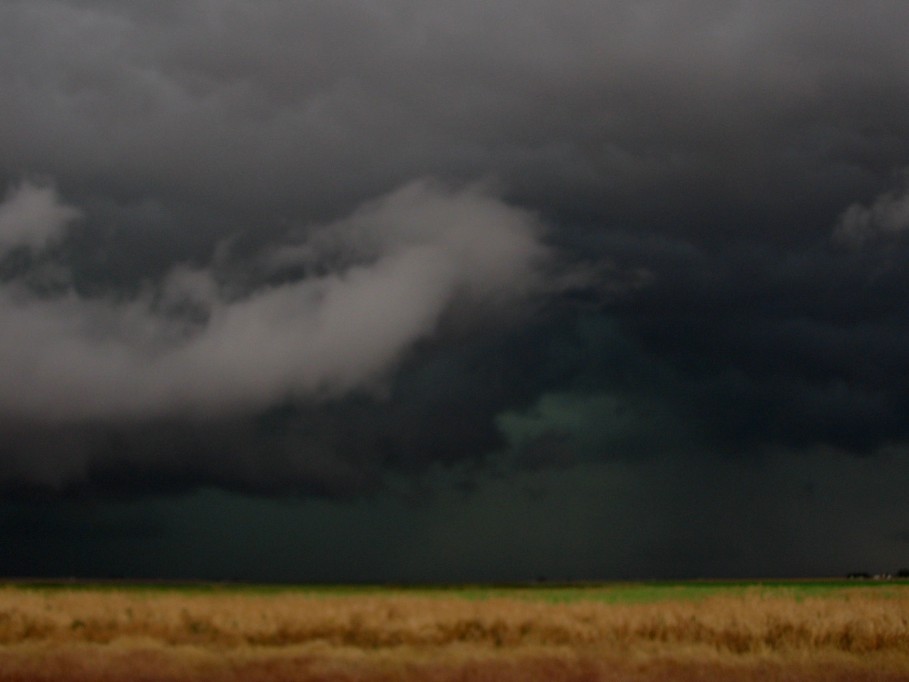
(111, 635)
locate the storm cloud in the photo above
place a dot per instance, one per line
(388, 251)
(370, 287)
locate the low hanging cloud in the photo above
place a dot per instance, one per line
(363, 291)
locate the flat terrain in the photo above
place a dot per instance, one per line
(820, 630)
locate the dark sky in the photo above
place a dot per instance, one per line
(337, 290)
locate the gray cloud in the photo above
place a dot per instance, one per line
(632, 251)
(32, 216)
(598, 107)
(887, 215)
(183, 346)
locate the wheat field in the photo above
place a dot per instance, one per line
(103, 635)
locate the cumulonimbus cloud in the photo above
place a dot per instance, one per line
(381, 280)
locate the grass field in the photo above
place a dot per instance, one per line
(820, 630)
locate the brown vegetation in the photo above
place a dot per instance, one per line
(102, 636)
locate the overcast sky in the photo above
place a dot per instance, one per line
(453, 290)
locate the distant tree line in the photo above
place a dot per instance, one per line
(864, 575)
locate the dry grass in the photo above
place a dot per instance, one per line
(82, 635)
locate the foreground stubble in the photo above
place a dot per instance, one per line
(107, 635)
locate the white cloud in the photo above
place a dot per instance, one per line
(33, 216)
(888, 214)
(186, 347)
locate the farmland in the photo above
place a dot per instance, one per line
(632, 632)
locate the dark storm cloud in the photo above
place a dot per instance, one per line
(656, 228)
(301, 108)
(815, 514)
